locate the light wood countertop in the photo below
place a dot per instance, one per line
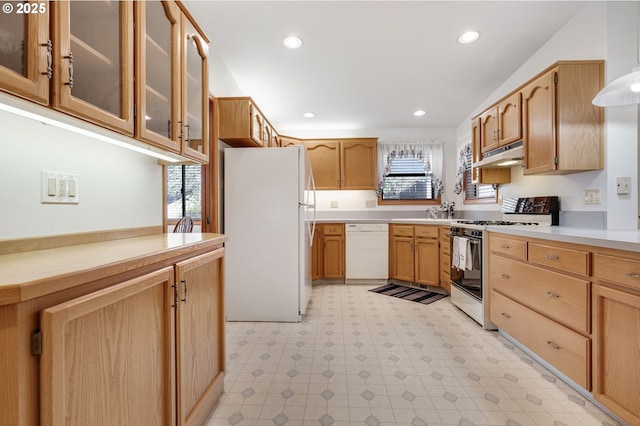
(31, 274)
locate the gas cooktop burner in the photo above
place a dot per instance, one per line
(493, 222)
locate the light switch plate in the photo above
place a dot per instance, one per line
(370, 204)
(59, 188)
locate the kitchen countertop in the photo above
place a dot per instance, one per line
(32, 274)
(424, 221)
(621, 239)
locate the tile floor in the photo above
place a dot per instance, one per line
(361, 358)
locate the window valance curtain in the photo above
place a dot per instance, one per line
(428, 152)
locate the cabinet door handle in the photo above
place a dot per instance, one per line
(169, 129)
(633, 275)
(49, 70)
(506, 315)
(70, 58)
(175, 296)
(553, 345)
(184, 282)
(505, 276)
(552, 257)
(181, 124)
(555, 296)
(188, 133)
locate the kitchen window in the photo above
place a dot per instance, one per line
(410, 173)
(184, 192)
(477, 193)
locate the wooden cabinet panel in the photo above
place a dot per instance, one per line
(616, 372)
(158, 73)
(563, 130)
(358, 165)
(402, 230)
(93, 59)
(96, 346)
(427, 261)
(566, 350)
(325, 163)
(509, 120)
(426, 231)
(200, 337)
(402, 260)
(25, 69)
(489, 130)
(565, 259)
(508, 246)
(327, 252)
(617, 270)
(557, 296)
(241, 123)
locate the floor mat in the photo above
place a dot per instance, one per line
(409, 293)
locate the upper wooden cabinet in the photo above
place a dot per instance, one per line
(25, 62)
(194, 132)
(562, 129)
(243, 124)
(343, 164)
(502, 124)
(93, 61)
(158, 88)
(494, 175)
(288, 140)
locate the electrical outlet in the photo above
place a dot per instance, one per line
(623, 185)
(334, 204)
(591, 196)
(370, 204)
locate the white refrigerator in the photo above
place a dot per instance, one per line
(269, 218)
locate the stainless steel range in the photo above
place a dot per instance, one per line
(469, 254)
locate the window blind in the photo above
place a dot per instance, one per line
(474, 191)
(184, 191)
(407, 180)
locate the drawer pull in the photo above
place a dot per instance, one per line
(633, 275)
(553, 345)
(505, 246)
(506, 315)
(555, 296)
(552, 257)
(505, 276)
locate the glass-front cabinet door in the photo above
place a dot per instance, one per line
(195, 94)
(25, 50)
(93, 60)
(158, 73)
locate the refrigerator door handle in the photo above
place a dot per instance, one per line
(313, 205)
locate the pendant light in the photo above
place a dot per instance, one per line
(626, 89)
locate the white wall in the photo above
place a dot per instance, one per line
(118, 187)
(601, 30)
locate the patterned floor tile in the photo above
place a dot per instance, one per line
(360, 358)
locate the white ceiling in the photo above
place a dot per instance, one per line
(370, 64)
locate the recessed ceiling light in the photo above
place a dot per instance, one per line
(292, 42)
(420, 113)
(309, 114)
(468, 37)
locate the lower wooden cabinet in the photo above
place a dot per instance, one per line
(328, 252)
(108, 357)
(616, 333)
(414, 254)
(445, 258)
(126, 346)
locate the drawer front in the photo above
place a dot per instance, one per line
(508, 246)
(402, 230)
(445, 246)
(617, 270)
(426, 231)
(333, 229)
(560, 297)
(566, 350)
(445, 263)
(444, 232)
(565, 259)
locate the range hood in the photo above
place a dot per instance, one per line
(507, 156)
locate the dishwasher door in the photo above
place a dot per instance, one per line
(366, 252)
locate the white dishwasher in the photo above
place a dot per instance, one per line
(366, 252)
